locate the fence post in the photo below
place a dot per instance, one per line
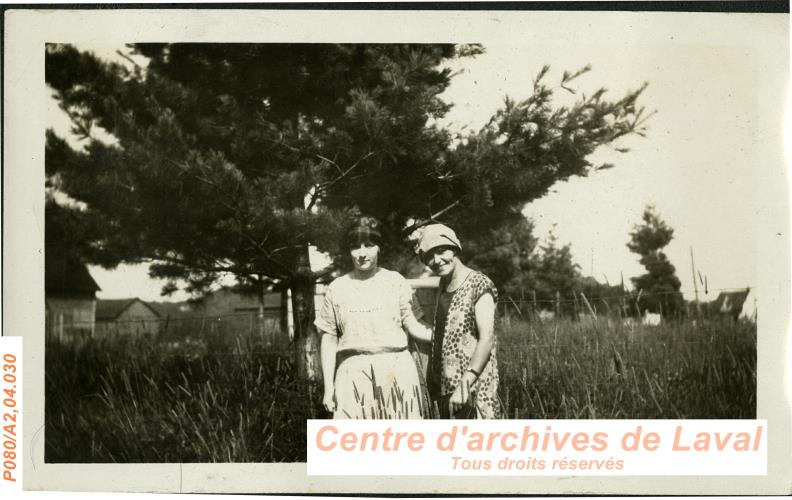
(575, 299)
(558, 305)
(534, 309)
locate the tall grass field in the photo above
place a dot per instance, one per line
(234, 398)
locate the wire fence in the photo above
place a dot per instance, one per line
(255, 334)
(193, 331)
(265, 329)
(528, 296)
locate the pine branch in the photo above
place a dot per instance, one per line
(322, 188)
(331, 162)
(347, 171)
(193, 266)
(129, 59)
(432, 218)
(315, 197)
(188, 265)
(287, 146)
(268, 255)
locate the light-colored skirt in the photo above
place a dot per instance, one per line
(378, 386)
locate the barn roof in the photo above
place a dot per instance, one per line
(175, 310)
(272, 300)
(730, 301)
(64, 274)
(110, 309)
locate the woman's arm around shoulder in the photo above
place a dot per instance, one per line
(411, 313)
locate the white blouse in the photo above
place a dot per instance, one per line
(368, 314)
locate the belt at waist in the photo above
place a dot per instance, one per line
(345, 354)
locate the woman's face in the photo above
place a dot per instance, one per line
(441, 260)
(365, 256)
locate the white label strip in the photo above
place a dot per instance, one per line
(11, 414)
(537, 447)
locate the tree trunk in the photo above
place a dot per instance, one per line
(284, 315)
(306, 339)
(262, 292)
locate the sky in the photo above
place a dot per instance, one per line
(698, 163)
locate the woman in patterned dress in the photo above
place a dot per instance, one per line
(463, 364)
(368, 371)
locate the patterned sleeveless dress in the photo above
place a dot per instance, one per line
(454, 341)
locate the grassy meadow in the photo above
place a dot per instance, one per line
(224, 397)
(603, 370)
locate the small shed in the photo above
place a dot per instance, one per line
(126, 317)
(69, 297)
(226, 301)
(233, 311)
(748, 311)
(732, 303)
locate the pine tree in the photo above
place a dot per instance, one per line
(660, 286)
(507, 254)
(233, 158)
(557, 274)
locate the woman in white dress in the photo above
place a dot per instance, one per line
(368, 371)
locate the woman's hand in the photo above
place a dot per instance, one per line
(328, 401)
(417, 328)
(485, 324)
(461, 395)
(327, 350)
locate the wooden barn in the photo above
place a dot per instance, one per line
(126, 317)
(231, 311)
(734, 304)
(225, 301)
(69, 298)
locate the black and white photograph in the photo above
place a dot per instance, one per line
(524, 215)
